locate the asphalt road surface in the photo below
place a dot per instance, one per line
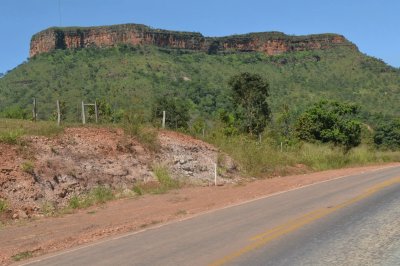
(352, 220)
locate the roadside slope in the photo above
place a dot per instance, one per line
(127, 215)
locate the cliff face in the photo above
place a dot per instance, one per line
(134, 34)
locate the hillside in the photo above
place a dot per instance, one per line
(132, 76)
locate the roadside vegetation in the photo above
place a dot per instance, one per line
(11, 130)
(98, 195)
(164, 184)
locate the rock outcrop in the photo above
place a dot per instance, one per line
(270, 43)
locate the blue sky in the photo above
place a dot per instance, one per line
(372, 25)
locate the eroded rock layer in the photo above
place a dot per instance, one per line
(270, 43)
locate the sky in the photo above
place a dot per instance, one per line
(373, 25)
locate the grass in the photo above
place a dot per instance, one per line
(48, 208)
(98, 195)
(266, 158)
(3, 205)
(164, 184)
(22, 256)
(11, 130)
(146, 135)
(28, 167)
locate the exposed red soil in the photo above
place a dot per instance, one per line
(56, 233)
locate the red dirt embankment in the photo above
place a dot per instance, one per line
(46, 171)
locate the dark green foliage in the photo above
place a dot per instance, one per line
(250, 93)
(14, 112)
(176, 109)
(228, 121)
(329, 121)
(284, 124)
(106, 114)
(387, 135)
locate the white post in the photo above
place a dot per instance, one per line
(163, 119)
(96, 111)
(34, 115)
(203, 132)
(215, 174)
(83, 113)
(58, 113)
(281, 147)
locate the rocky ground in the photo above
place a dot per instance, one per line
(44, 173)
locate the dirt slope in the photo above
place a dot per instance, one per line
(46, 173)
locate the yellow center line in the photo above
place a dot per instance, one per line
(269, 235)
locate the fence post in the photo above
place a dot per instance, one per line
(83, 113)
(163, 119)
(215, 174)
(34, 115)
(96, 111)
(58, 113)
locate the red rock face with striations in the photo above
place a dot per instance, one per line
(270, 43)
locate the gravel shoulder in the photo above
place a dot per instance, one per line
(46, 235)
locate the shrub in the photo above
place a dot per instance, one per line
(14, 112)
(330, 122)
(387, 135)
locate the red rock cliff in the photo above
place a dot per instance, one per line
(134, 34)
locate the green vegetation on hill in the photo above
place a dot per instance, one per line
(131, 78)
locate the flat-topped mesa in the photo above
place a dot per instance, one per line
(135, 34)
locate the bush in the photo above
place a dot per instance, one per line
(387, 135)
(15, 112)
(330, 122)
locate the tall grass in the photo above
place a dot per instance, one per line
(164, 184)
(266, 158)
(12, 129)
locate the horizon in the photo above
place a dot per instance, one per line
(358, 21)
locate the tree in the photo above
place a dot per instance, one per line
(250, 93)
(329, 121)
(177, 111)
(387, 135)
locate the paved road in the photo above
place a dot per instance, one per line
(347, 221)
